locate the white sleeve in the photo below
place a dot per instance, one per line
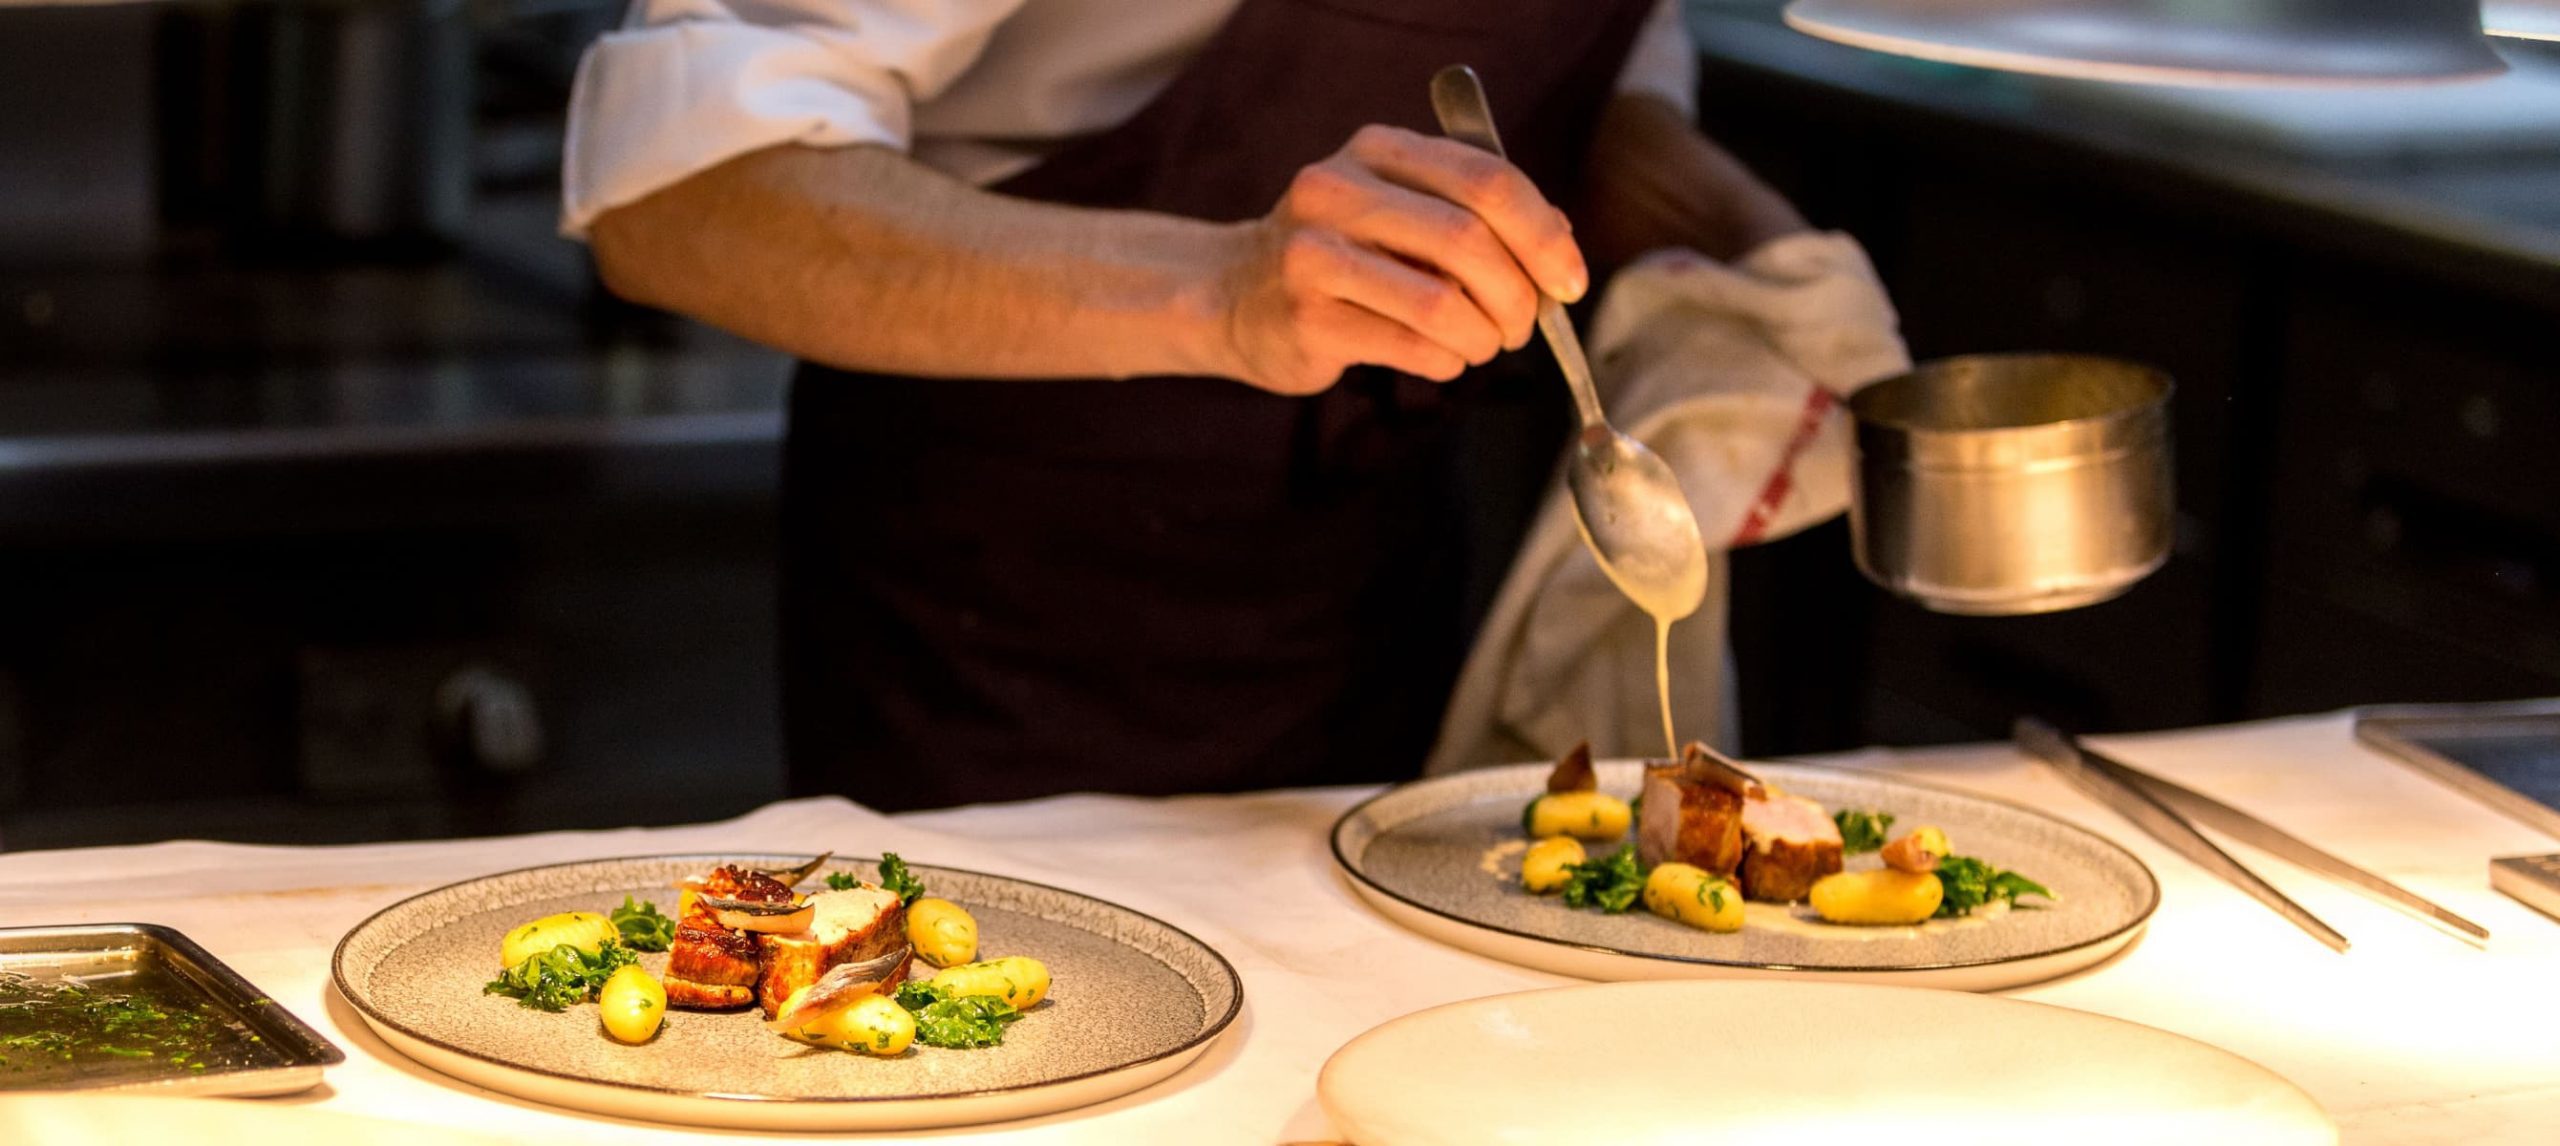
(688, 84)
(1664, 61)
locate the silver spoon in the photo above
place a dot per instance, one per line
(1626, 501)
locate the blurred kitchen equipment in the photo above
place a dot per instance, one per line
(2049, 743)
(2173, 41)
(364, 130)
(2531, 880)
(2505, 754)
(1994, 485)
(1633, 516)
(2523, 19)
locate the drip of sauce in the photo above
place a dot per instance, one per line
(1669, 603)
(1662, 683)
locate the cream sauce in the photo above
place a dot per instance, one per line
(1662, 683)
(1799, 919)
(1495, 860)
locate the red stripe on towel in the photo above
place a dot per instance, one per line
(1756, 522)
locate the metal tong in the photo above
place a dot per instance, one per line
(2170, 812)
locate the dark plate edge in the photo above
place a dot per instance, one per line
(1343, 863)
(1210, 1031)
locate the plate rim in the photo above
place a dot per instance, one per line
(1210, 1030)
(2117, 936)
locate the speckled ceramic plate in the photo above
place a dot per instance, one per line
(1134, 1000)
(1796, 1062)
(1442, 856)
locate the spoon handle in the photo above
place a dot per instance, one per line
(1459, 100)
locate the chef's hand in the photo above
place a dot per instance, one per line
(1402, 250)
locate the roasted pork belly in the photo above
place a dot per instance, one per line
(1787, 843)
(1693, 813)
(711, 967)
(848, 926)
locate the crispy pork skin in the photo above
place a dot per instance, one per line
(687, 995)
(711, 967)
(1693, 813)
(848, 926)
(1787, 843)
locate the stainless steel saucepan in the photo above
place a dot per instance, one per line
(2012, 483)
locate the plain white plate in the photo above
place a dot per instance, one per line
(1795, 1063)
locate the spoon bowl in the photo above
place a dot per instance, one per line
(1636, 522)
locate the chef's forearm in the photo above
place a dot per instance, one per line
(1651, 181)
(862, 259)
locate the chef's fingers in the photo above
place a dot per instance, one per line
(1328, 263)
(1359, 335)
(1535, 231)
(1435, 233)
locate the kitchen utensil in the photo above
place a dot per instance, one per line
(2012, 483)
(2198, 808)
(2119, 787)
(234, 1039)
(1135, 1001)
(1441, 856)
(1634, 518)
(2505, 754)
(2530, 880)
(1795, 1062)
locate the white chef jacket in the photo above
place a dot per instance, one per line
(980, 89)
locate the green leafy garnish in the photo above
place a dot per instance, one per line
(561, 977)
(895, 877)
(955, 1022)
(1971, 883)
(842, 881)
(1862, 832)
(1610, 883)
(643, 929)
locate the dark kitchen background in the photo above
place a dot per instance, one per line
(337, 500)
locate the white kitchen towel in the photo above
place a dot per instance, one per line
(1734, 373)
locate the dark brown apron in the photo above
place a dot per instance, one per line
(996, 589)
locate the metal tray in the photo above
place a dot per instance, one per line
(2504, 754)
(242, 1042)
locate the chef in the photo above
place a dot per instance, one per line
(1153, 350)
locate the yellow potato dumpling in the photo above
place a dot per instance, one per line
(1695, 896)
(1016, 979)
(942, 933)
(1881, 896)
(632, 1003)
(586, 930)
(1588, 815)
(1543, 869)
(876, 1025)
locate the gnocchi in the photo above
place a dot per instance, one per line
(1016, 979)
(1694, 896)
(942, 932)
(1544, 869)
(1877, 897)
(1588, 815)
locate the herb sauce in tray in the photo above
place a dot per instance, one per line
(121, 1005)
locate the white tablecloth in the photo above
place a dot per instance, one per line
(2415, 1036)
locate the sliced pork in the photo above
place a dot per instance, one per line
(1693, 812)
(1787, 843)
(850, 926)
